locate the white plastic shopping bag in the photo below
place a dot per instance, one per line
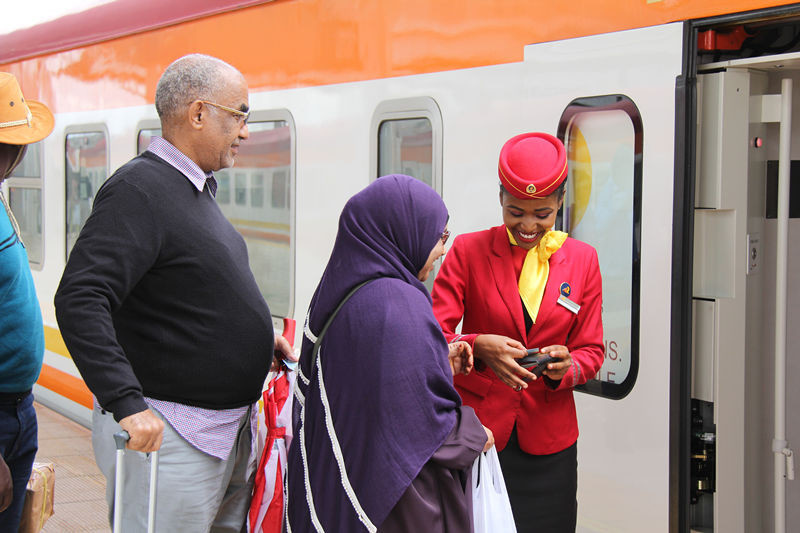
(490, 506)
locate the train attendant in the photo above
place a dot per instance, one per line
(517, 286)
(162, 315)
(382, 441)
(22, 122)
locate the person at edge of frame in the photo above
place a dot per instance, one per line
(162, 315)
(518, 286)
(22, 122)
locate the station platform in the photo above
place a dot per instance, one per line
(79, 504)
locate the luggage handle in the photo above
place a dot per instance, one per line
(121, 439)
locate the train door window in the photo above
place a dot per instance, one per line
(407, 139)
(86, 166)
(144, 138)
(264, 172)
(602, 206)
(25, 200)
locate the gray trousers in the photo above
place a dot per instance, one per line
(196, 492)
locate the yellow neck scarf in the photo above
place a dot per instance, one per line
(536, 269)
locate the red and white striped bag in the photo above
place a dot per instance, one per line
(268, 506)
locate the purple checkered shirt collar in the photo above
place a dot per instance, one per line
(167, 151)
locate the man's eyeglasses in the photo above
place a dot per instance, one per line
(240, 115)
(445, 236)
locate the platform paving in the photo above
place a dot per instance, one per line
(79, 503)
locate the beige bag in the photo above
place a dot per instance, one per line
(38, 505)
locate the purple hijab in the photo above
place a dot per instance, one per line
(385, 401)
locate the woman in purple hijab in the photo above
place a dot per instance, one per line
(381, 440)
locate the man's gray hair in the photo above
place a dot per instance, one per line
(192, 77)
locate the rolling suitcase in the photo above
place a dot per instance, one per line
(121, 439)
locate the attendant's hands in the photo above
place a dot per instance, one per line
(500, 353)
(6, 486)
(556, 371)
(489, 439)
(460, 357)
(146, 431)
(283, 351)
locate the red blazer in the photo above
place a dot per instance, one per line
(478, 283)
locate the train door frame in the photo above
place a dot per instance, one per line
(681, 327)
(682, 272)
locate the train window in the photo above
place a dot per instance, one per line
(223, 187)
(31, 165)
(86, 164)
(264, 172)
(407, 139)
(280, 191)
(25, 200)
(257, 191)
(405, 147)
(240, 183)
(26, 204)
(602, 206)
(144, 137)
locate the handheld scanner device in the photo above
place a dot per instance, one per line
(535, 362)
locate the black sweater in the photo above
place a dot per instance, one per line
(158, 300)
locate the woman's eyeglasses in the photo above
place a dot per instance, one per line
(445, 236)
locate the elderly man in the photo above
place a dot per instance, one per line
(162, 315)
(22, 340)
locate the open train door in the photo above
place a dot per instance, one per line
(745, 289)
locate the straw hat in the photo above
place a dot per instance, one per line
(21, 121)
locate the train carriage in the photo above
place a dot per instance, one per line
(677, 119)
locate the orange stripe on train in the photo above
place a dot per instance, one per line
(337, 41)
(66, 385)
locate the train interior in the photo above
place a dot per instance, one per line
(746, 291)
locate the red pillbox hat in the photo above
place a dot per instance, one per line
(532, 165)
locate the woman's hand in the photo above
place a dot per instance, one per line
(500, 353)
(489, 439)
(460, 357)
(556, 371)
